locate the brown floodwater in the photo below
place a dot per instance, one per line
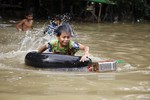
(122, 41)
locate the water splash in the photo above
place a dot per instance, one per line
(63, 17)
(34, 39)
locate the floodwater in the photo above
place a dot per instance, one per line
(127, 42)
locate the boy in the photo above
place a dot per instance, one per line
(53, 25)
(26, 24)
(63, 44)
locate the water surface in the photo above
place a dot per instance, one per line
(127, 42)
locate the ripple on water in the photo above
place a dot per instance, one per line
(137, 97)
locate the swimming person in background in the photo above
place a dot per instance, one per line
(63, 43)
(26, 24)
(53, 25)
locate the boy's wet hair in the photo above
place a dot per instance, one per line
(28, 13)
(65, 27)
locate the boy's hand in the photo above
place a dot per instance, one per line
(84, 57)
(20, 30)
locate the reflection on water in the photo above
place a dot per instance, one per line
(128, 42)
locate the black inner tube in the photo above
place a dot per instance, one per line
(49, 60)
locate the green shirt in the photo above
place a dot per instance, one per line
(71, 48)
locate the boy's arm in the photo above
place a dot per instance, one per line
(18, 26)
(42, 48)
(86, 52)
(32, 24)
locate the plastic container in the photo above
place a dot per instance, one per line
(103, 66)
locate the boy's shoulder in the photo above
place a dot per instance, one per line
(24, 19)
(54, 41)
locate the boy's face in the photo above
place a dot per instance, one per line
(29, 17)
(64, 38)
